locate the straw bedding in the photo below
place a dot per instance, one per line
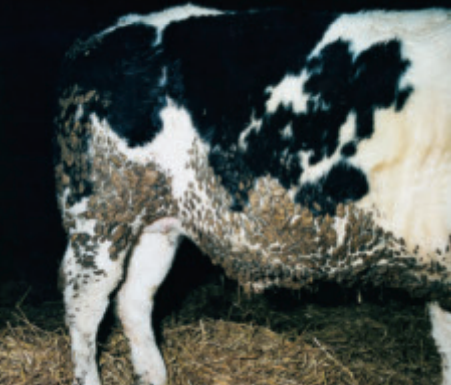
(219, 336)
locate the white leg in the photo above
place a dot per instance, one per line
(441, 331)
(88, 284)
(149, 263)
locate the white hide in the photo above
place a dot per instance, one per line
(160, 20)
(441, 331)
(149, 263)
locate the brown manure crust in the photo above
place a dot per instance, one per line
(222, 338)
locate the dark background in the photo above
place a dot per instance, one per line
(33, 38)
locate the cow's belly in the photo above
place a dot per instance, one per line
(276, 241)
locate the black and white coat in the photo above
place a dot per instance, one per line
(291, 147)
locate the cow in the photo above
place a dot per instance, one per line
(292, 147)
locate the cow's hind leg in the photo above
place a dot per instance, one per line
(91, 270)
(441, 332)
(149, 263)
